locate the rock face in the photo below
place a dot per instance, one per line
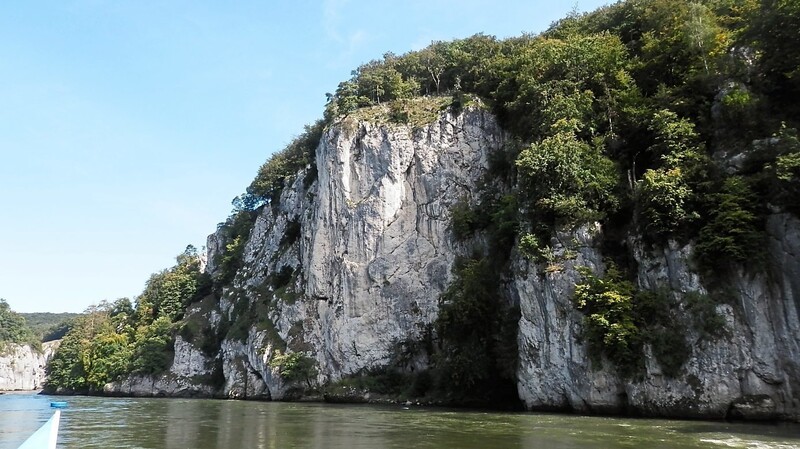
(751, 373)
(189, 376)
(366, 248)
(23, 367)
(348, 264)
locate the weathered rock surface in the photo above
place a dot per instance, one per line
(23, 367)
(750, 373)
(351, 259)
(372, 254)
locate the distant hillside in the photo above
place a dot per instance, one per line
(49, 326)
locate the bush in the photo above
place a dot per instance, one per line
(294, 366)
(152, 350)
(609, 327)
(281, 166)
(705, 318)
(13, 328)
(663, 196)
(464, 220)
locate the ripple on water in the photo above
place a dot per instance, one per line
(206, 424)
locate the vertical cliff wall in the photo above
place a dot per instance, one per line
(750, 372)
(348, 264)
(364, 250)
(23, 367)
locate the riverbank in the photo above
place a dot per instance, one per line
(341, 395)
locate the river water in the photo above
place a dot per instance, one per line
(91, 422)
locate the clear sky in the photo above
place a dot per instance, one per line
(126, 127)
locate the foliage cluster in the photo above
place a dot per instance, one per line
(294, 366)
(632, 83)
(14, 329)
(281, 167)
(476, 329)
(112, 340)
(620, 319)
(49, 326)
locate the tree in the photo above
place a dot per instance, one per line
(667, 195)
(732, 233)
(91, 354)
(13, 328)
(169, 291)
(773, 31)
(608, 324)
(152, 348)
(570, 181)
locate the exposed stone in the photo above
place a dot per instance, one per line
(375, 250)
(23, 367)
(758, 358)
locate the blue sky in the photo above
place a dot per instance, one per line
(126, 127)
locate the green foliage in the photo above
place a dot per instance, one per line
(110, 358)
(531, 247)
(103, 346)
(476, 350)
(609, 326)
(13, 328)
(48, 326)
(619, 320)
(294, 366)
(112, 340)
(738, 104)
(667, 194)
(733, 232)
(234, 232)
(705, 318)
(91, 354)
(280, 167)
(169, 291)
(152, 350)
(773, 31)
(778, 170)
(568, 181)
(464, 220)
(658, 316)
(664, 197)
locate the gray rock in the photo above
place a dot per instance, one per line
(23, 367)
(375, 250)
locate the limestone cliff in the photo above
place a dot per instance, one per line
(348, 263)
(23, 367)
(751, 373)
(372, 254)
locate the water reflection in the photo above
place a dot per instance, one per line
(206, 424)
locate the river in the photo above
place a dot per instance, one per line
(91, 422)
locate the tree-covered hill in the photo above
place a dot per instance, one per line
(49, 326)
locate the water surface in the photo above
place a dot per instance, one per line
(204, 424)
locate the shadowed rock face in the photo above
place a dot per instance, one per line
(751, 373)
(23, 368)
(367, 249)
